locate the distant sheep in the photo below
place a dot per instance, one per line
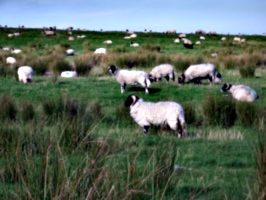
(177, 40)
(161, 113)
(223, 39)
(132, 44)
(5, 48)
(182, 36)
(198, 42)
(108, 42)
(172, 31)
(70, 52)
(202, 38)
(100, 51)
(160, 71)
(16, 51)
(127, 77)
(11, 60)
(240, 92)
(69, 74)
(25, 74)
(49, 33)
(194, 73)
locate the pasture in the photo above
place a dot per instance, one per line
(74, 139)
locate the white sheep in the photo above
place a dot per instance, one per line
(161, 113)
(194, 73)
(240, 92)
(5, 48)
(11, 60)
(177, 40)
(25, 74)
(108, 42)
(198, 42)
(223, 39)
(202, 38)
(100, 51)
(127, 77)
(70, 52)
(160, 71)
(172, 31)
(187, 43)
(132, 44)
(69, 74)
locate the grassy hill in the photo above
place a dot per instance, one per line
(74, 139)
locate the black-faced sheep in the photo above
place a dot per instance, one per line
(240, 92)
(127, 77)
(70, 52)
(160, 71)
(25, 74)
(146, 114)
(194, 73)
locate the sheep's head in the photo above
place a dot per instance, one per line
(181, 79)
(151, 78)
(131, 100)
(218, 78)
(113, 69)
(226, 87)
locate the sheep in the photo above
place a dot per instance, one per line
(5, 48)
(182, 36)
(81, 36)
(132, 44)
(163, 70)
(25, 74)
(108, 42)
(160, 113)
(187, 43)
(16, 51)
(240, 92)
(202, 38)
(198, 42)
(127, 77)
(172, 31)
(194, 73)
(48, 33)
(11, 60)
(69, 74)
(177, 40)
(70, 52)
(100, 51)
(223, 39)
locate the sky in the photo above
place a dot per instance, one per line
(185, 16)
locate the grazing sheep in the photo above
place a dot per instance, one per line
(10, 35)
(214, 55)
(25, 74)
(161, 113)
(182, 36)
(127, 77)
(16, 34)
(187, 43)
(240, 92)
(16, 51)
(48, 33)
(100, 51)
(223, 39)
(198, 42)
(132, 44)
(202, 38)
(194, 73)
(69, 74)
(81, 36)
(160, 71)
(70, 52)
(5, 48)
(11, 60)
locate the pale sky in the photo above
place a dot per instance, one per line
(186, 16)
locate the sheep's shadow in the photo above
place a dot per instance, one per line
(140, 89)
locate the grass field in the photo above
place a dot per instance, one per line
(74, 139)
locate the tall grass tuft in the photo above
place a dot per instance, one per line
(247, 71)
(84, 64)
(8, 109)
(27, 111)
(220, 111)
(246, 113)
(190, 112)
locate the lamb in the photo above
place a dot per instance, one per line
(240, 92)
(160, 71)
(70, 52)
(108, 42)
(194, 73)
(187, 43)
(25, 74)
(161, 113)
(11, 60)
(100, 51)
(127, 77)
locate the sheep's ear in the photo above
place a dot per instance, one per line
(131, 100)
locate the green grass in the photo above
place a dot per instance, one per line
(74, 139)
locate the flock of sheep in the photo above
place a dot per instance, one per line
(144, 113)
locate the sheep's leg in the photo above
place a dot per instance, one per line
(123, 87)
(146, 129)
(167, 78)
(146, 87)
(173, 77)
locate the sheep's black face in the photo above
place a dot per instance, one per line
(112, 69)
(226, 87)
(181, 79)
(131, 100)
(151, 78)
